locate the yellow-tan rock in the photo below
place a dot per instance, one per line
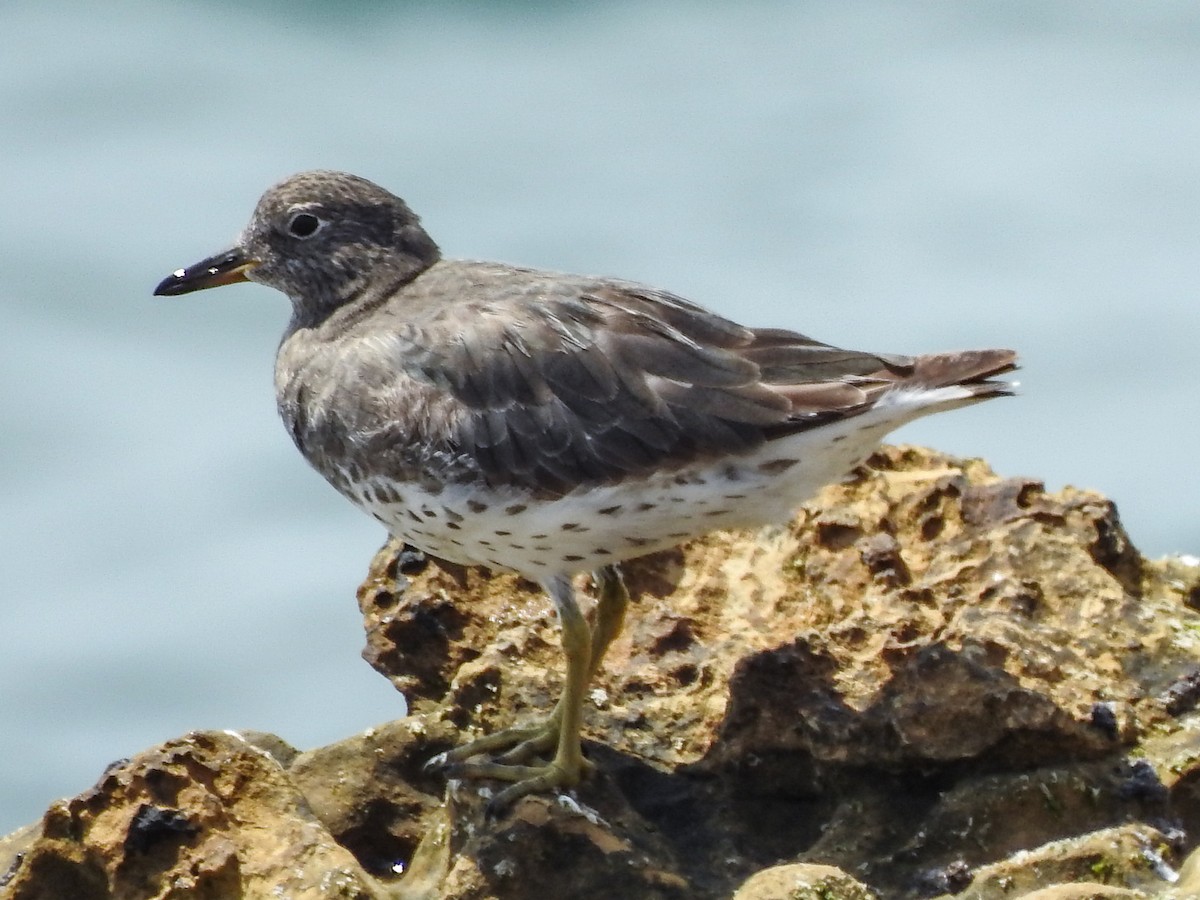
(931, 674)
(803, 881)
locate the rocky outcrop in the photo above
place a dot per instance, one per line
(934, 681)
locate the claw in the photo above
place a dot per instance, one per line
(546, 778)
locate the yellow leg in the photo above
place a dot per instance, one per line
(610, 614)
(610, 619)
(584, 649)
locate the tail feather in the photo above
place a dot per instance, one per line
(958, 377)
(942, 381)
(965, 368)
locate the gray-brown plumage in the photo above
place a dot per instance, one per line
(550, 423)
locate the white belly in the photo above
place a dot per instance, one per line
(586, 529)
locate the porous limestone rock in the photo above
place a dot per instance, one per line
(803, 881)
(932, 673)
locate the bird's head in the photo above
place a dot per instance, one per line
(324, 239)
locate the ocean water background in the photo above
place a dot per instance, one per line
(903, 177)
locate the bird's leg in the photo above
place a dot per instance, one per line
(610, 614)
(611, 604)
(563, 725)
(584, 650)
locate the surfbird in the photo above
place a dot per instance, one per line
(550, 424)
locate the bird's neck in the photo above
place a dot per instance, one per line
(356, 294)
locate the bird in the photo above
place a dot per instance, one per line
(550, 424)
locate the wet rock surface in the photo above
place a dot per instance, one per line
(933, 682)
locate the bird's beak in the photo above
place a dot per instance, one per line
(229, 267)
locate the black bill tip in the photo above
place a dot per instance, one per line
(229, 267)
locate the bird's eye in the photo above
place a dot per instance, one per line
(303, 225)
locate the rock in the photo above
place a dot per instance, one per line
(802, 881)
(931, 674)
(1080, 891)
(209, 815)
(1127, 861)
(1188, 885)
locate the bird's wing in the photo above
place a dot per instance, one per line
(588, 386)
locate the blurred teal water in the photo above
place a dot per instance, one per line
(903, 177)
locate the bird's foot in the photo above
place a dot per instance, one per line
(523, 780)
(520, 746)
(515, 745)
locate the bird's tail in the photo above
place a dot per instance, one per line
(971, 370)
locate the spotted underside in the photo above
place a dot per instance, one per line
(510, 529)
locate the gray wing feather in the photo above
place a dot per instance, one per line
(553, 391)
(563, 384)
(544, 382)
